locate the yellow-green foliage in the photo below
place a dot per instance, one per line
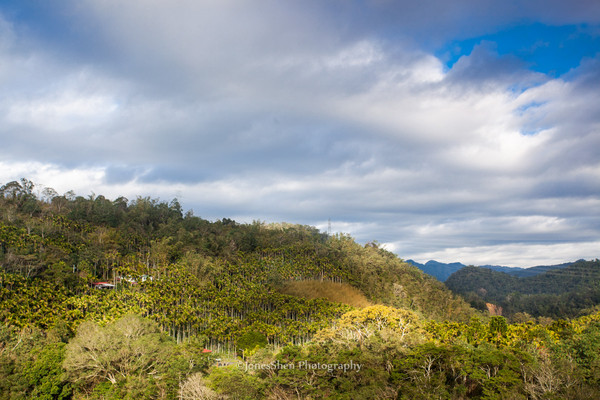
(359, 325)
(332, 291)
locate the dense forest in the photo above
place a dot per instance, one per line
(198, 309)
(558, 293)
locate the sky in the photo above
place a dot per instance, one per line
(464, 130)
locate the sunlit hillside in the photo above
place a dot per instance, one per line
(117, 299)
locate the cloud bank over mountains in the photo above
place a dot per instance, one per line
(307, 111)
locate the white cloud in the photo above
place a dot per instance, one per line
(81, 180)
(359, 55)
(514, 255)
(266, 112)
(67, 111)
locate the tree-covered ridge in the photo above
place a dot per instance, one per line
(220, 279)
(557, 293)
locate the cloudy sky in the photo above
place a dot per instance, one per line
(463, 130)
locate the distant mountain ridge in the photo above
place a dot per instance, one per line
(553, 292)
(442, 271)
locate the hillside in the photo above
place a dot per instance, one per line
(197, 309)
(525, 272)
(558, 292)
(222, 268)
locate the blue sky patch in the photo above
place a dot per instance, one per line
(552, 50)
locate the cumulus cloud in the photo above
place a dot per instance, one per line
(528, 255)
(291, 112)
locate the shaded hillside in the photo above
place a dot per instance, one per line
(557, 292)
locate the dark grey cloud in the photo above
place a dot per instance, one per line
(118, 174)
(485, 67)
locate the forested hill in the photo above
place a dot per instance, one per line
(197, 309)
(227, 277)
(526, 272)
(559, 293)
